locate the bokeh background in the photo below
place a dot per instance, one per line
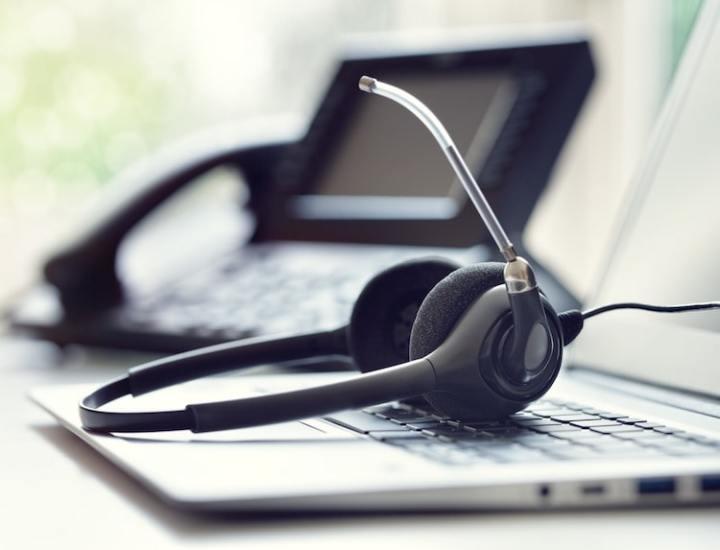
(87, 88)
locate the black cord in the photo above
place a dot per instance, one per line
(649, 307)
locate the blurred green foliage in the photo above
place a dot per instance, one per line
(87, 87)
(77, 102)
(684, 13)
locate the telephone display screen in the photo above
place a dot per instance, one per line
(386, 151)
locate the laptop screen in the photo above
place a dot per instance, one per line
(667, 251)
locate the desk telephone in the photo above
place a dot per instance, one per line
(510, 107)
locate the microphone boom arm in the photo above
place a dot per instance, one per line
(431, 122)
(530, 344)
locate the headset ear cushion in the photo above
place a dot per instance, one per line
(448, 301)
(442, 309)
(384, 312)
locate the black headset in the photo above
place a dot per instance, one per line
(477, 342)
(457, 322)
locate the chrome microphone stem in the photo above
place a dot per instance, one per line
(481, 205)
(431, 122)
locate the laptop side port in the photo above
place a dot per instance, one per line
(656, 486)
(710, 483)
(593, 489)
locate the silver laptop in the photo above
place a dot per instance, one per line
(633, 419)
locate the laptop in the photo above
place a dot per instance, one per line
(363, 187)
(634, 418)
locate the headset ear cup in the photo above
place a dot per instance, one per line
(384, 312)
(443, 307)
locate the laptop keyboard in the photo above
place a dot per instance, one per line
(548, 430)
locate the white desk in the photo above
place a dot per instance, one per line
(58, 493)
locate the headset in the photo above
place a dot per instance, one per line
(477, 342)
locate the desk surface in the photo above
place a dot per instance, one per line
(59, 493)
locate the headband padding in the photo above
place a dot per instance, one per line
(448, 301)
(384, 312)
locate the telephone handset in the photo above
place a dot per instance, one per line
(84, 271)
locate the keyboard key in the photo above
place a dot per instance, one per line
(502, 433)
(644, 435)
(421, 424)
(363, 422)
(403, 415)
(594, 422)
(705, 440)
(393, 436)
(554, 412)
(610, 416)
(453, 431)
(663, 430)
(417, 443)
(480, 444)
(537, 422)
(649, 425)
(580, 435)
(593, 411)
(573, 417)
(449, 431)
(446, 453)
(492, 425)
(541, 405)
(616, 429)
(670, 441)
(557, 428)
(547, 445)
(679, 434)
(536, 436)
(610, 443)
(630, 420)
(570, 405)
